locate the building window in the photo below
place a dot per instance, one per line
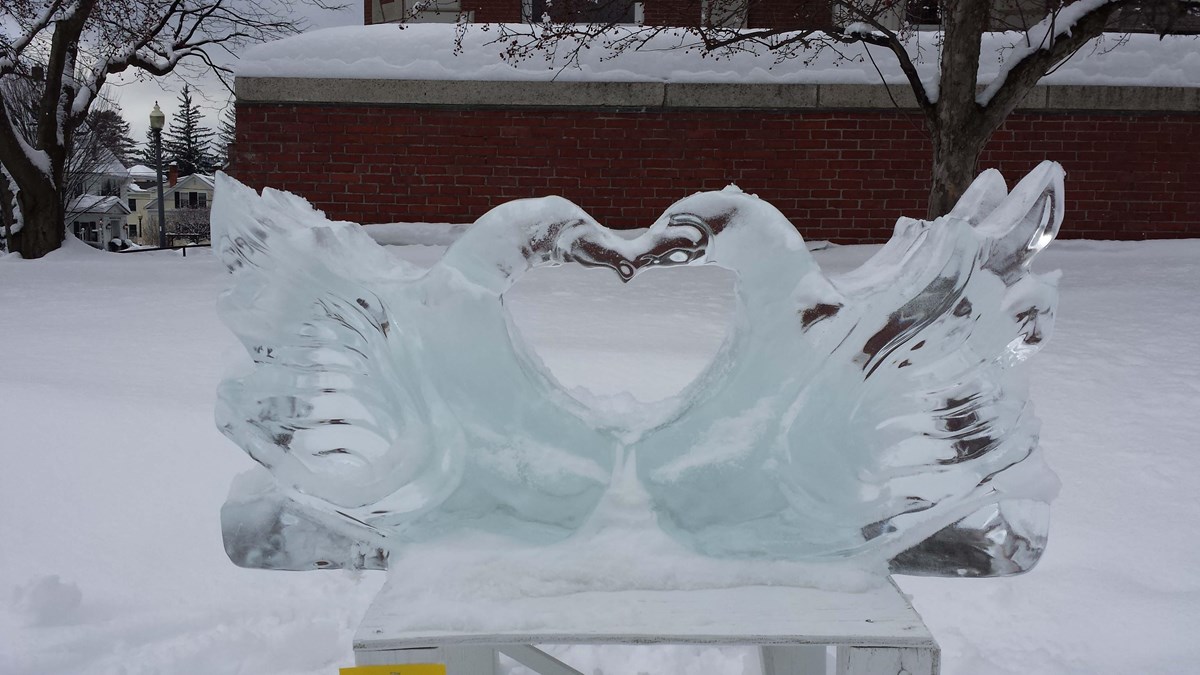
(87, 231)
(586, 11)
(923, 13)
(421, 11)
(132, 204)
(132, 228)
(418, 6)
(723, 13)
(191, 200)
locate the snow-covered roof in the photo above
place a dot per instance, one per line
(427, 52)
(96, 204)
(211, 181)
(113, 167)
(142, 172)
(188, 182)
(107, 164)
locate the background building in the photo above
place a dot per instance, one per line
(842, 157)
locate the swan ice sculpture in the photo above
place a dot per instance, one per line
(880, 417)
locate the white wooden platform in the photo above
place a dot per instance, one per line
(873, 632)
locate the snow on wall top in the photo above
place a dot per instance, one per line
(427, 52)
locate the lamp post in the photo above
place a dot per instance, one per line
(157, 119)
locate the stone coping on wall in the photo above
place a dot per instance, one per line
(681, 95)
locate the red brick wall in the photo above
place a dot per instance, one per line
(791, 14)
(843, 176)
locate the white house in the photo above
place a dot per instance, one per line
(186, 203)
(97, 210)
(108, 177)
(98, 219)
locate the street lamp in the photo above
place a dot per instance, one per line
(157, 119)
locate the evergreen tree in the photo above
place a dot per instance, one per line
(226, 132)
(112, 132)
(185, 141)
(145, 154)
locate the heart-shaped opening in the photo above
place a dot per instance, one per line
(601, 338)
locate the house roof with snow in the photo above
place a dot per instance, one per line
(190, 183)
(141, 172)
(96, 205)
(108, 165)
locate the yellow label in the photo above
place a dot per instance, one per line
(398, 669)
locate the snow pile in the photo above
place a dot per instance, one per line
(114, 473)
(427, 52)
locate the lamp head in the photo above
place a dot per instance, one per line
(157, 118)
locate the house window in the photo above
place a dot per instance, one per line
(178, 200)
(132, 228)
(586, 11)
(923, 13)
(87, 231)
(132, 204)
(424, 11)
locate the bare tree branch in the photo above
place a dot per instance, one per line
(1003, 96)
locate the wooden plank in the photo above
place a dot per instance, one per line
(537, 660)
(458, 660)
(877, 660)
(793, 660)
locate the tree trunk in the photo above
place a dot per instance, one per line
(6, 212)
(42, 226)
(955, 159)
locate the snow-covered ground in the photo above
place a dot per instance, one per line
(113, 474)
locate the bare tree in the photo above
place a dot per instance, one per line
(91, 168)
(75, 46)
(959, 115)
(190, 223)
(88, 159)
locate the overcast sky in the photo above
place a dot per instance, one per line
(137, 98)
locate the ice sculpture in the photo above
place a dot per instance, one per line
(881, 416)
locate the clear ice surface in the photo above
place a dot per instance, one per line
(880, 418)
